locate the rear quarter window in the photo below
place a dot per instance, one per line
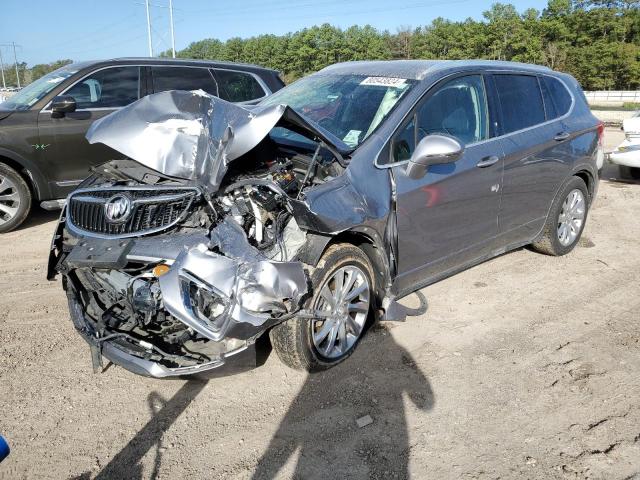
(520, 101)
(560, 97)
(238, 86)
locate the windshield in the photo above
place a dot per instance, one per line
(29, 95)
(351, 107)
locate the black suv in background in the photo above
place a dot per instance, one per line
(43, 151)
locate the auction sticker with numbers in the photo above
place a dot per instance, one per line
(384, 82)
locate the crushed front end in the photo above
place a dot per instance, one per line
(163, 290)
(177, 259)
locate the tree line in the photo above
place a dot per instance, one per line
(28, 75)
(597, 41)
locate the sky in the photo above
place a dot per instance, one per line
(47, 30)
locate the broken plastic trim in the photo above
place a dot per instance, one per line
(250, 291)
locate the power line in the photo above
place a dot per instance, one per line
(149, 29)
(102, 47)
(147, 4)
(15, 60)
(92, 36)
(286, 5)
(4, 85)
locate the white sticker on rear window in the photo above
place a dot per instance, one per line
(384, 82)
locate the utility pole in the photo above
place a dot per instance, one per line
(15, 58)
(173, 38)
(149, 29)
(4, 85)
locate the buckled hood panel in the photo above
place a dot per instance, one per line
(194, 136)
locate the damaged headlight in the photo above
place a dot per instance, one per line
(204, 302)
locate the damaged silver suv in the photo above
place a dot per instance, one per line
(311, 214)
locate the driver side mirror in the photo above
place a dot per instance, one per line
(62, 104)
(433, 150)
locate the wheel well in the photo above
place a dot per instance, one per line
(587, 179)
(23, 172)
(374, 252)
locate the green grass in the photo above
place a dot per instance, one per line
(626, 107)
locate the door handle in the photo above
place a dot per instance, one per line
(487, 161)
(561, 136)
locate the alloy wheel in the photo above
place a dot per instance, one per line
(571, 217)
(9, 199)
(345, 298)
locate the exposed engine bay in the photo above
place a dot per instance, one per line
(168, 275)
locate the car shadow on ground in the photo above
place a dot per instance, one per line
(38, 216)
(350, 422)
(373, 386)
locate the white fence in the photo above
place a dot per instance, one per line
(613, 97)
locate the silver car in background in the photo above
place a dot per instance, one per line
(309, 216)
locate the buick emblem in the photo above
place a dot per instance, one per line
(118, 208)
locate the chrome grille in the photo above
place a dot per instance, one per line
(151, 210)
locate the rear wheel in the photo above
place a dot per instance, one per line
(566, 219)
(15, 199)
(342, 291)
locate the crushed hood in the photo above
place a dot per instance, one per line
(194, 136)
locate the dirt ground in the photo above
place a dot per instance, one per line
(526, 366)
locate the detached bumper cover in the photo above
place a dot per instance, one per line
(247, 292)
(134, 363)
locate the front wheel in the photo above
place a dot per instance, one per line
(15, 199)
(342, 293)
(566, 219)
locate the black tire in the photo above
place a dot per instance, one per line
(292, 340)
(8, 221)
(549, 243)
(634, 172)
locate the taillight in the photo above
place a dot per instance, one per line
(600, 133)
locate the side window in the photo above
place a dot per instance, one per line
(109, 88)
(458, 108)
(405, 142)
(560, 97)
(183, 78)
(520, 101)
(549, 105)
(238, 86)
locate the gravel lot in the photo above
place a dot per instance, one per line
(524, 367)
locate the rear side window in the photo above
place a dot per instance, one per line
(183, 78)
(558, 102)
(520, 101)
(238, 86)
(108, 88)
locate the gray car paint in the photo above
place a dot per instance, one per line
(422, 233)
(457, 214)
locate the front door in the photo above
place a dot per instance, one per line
(449, 217)
(65, 148)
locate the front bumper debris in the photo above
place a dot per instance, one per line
(220, 302)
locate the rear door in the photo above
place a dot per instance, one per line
(535, 140)
(67, 151)
(165, 78)
(449, 217)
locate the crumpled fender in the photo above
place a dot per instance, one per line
(251, 288)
